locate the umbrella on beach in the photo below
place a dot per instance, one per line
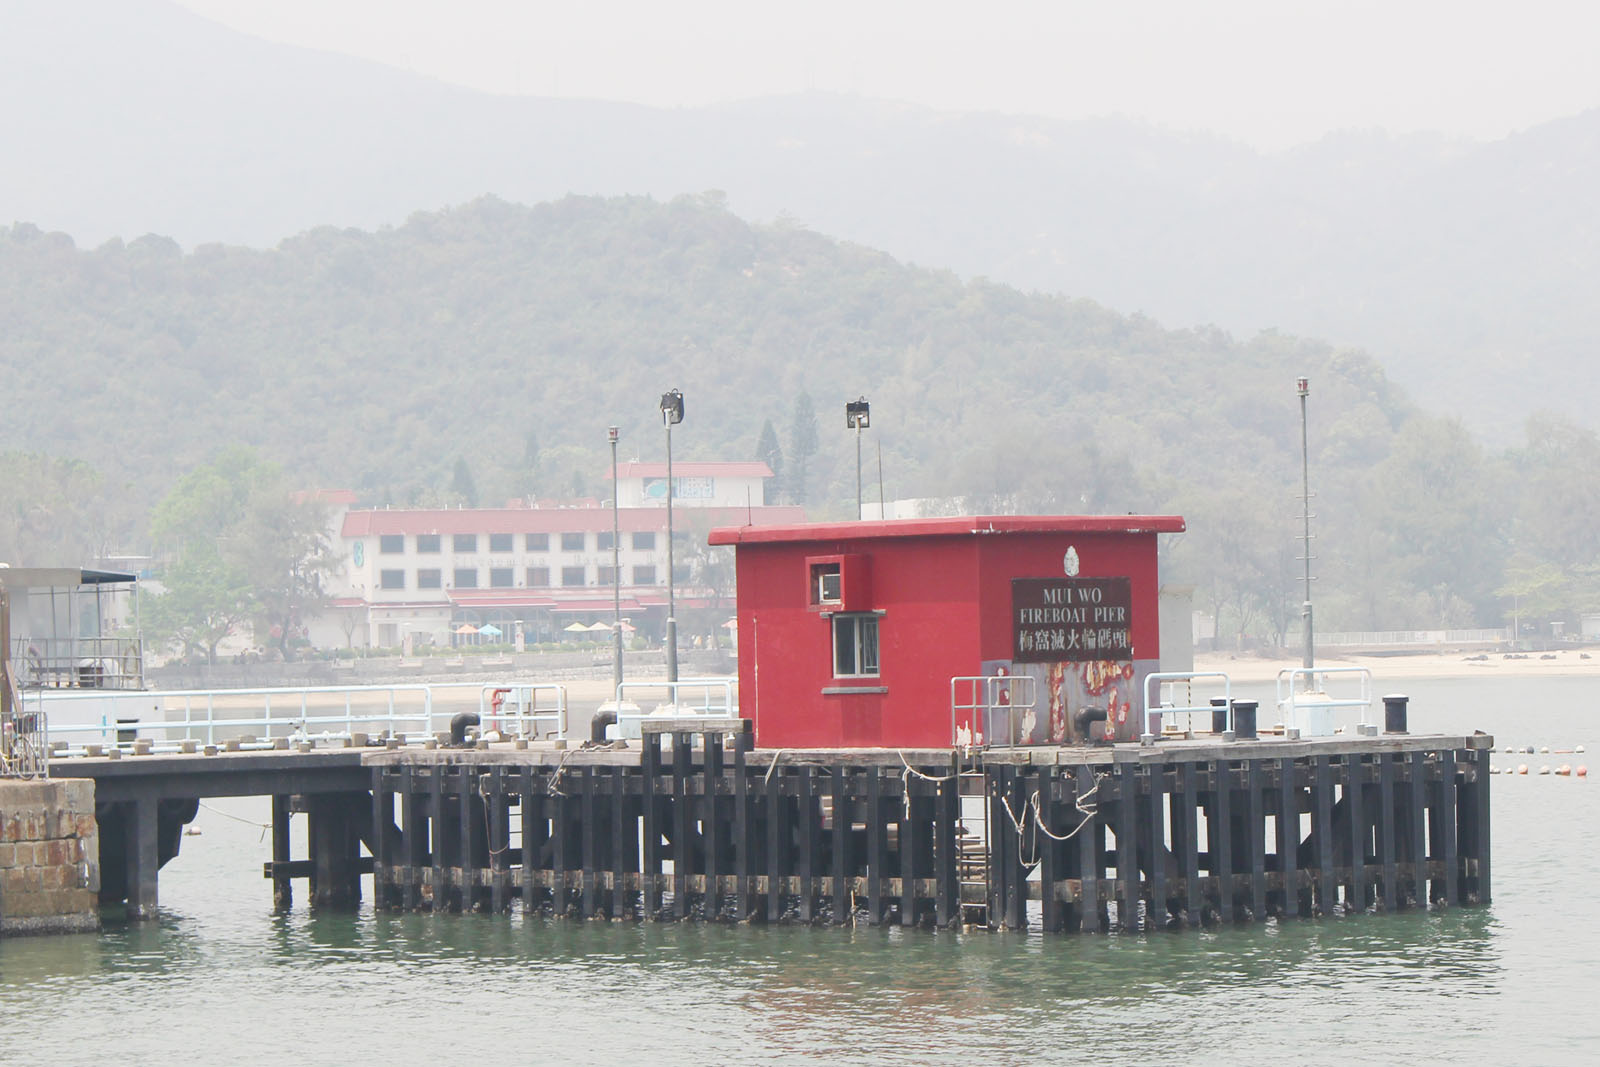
(466, 628)
(490, 630)
(576, 628)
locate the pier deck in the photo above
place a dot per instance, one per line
(693, 822)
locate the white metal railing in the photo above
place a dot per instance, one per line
(1309, 706)
(24, 738)
(168, 718)
(1295, 639)
(1158, 697)
(988, 695)
(687, 698)
(517, 705)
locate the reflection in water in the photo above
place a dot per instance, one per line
(249, 987)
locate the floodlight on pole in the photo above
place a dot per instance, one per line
(1303, 388)
(671, 415)
(612, 434)
(858, 416)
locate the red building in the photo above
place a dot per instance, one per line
(850, 633)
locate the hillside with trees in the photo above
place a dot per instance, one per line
(479, 354)
(1467, 268)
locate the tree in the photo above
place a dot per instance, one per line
(462, 488)
(284, 549)
(802, 444)
(770, 452)
(243, 545)
(206, 599)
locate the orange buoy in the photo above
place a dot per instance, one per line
(1564, 770)
(1522, 768)
(1583, 772)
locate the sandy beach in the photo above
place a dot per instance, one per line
(1246, 667)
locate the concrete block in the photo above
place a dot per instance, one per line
(8, 856)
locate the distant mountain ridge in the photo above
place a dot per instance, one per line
(1467, 269)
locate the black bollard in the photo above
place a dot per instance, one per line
(1394, 713)
(1244, 719)
(1219, 715)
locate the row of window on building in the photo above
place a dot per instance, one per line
(572, 541)
(533, 577)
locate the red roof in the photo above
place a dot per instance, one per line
(548, 520)
(740, 469)
(965, 526)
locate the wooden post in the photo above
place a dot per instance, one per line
(877, 847)
(1355, 901)
(711, 825)
(810, 842)
(841, 846)
(1255, 788)
(947, 857)
(589, 836)
(1322, 831)
(1052, 915)
(1191, 842)
(438, 834)
(1387, 816)
(1156, 828)
(624, 843)
(499, 839)
(1128, 847)
(651, 826)
(413, 838)
(282, 887)
(1091, 855)
(1288, 836)
(777, 837)
(1447, 828)
(1219, 838)
(682, 820)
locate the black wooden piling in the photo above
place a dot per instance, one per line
(1202, 829)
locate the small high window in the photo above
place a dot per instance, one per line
(645, 541)
(500, 577)
(827, 585)
(464, 543)
(428, 578)
(500, 542)
(391, 579)
(538, 577)
(390, 544)
(572, 542)
(603, 541)
(466, 577)
(427, 542)
(572, 575)
(645, 575)
(855, 646)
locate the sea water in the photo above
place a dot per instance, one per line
(219, 979)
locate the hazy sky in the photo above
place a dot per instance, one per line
(1271, 72)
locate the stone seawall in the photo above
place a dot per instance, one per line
(49, 857)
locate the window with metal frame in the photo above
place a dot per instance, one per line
(855, 646)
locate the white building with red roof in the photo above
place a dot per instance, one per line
(438, 575)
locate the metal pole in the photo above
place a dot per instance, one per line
(616, 573)
(858, 473)
(1304, 386)
(672, 610)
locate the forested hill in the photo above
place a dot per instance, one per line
(501, 340)
(1467, 268)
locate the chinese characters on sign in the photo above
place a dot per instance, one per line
(1071, 619)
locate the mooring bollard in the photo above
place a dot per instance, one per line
(1219, 715)
(1244, 719)
(1394, 713)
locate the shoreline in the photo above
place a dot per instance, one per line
(1248, 667)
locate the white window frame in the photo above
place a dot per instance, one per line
(859, 624)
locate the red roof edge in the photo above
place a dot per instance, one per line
(961, 526)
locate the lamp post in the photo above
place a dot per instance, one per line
(1303, 387)
(612, 434)
(671, 415)
(858, 416)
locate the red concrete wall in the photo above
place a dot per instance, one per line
(926, 588)
(1100, 555)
